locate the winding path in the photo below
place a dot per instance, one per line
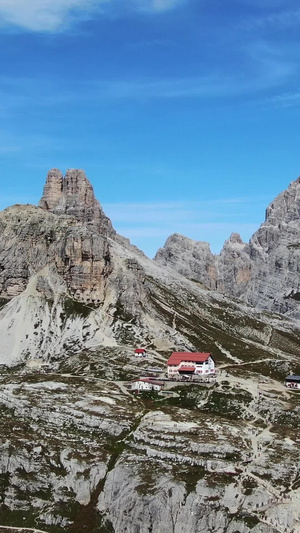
(22, 529)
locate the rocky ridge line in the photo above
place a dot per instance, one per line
(263, 272)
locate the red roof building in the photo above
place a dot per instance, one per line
(193, 357)
(140, 351)
(191, 363)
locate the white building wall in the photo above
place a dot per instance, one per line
(144, 385)
(141, 385)
(207, 367)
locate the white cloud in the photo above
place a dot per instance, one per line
(44, 15)
(55, 15)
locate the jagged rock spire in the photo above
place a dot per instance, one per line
(73, 195)
(53, 190)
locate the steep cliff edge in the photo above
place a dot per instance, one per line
(233, 266)
(33, 238)
(275, 256)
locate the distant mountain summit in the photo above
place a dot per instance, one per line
(265, 272)
(74, 195)
(190, 258)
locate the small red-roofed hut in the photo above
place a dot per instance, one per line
(140, 352)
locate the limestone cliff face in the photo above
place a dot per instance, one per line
(233, 266)
(74, 195)
(229, 272)
(264, 273)
(275, 256)
(33, 239)
(192, 259)
(68, 231)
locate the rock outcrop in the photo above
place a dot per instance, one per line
(83, 454)
(233, 266)
(192, 259)
(275, 256)
(33, 239)
(74, 195)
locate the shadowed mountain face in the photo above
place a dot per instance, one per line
(78, 451)
(264, 273)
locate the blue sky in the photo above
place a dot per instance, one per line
(183, 113)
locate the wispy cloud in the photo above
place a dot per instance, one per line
(56, 15)
(286, 100)
(13, 143)
(20, 92)
(177, 211)
(277, 20)
(45, 15)
(263, 67)
(268, 74)
(166, 88)
(211, 221)
(272, 64)
(195, 231)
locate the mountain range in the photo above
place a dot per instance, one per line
(78, 451)
(64, 259)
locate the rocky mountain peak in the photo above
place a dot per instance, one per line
(192, 259)
(286, 206)
(53, 190)
(233, 266)
(263, 272)
(235, 238)
(74, 195)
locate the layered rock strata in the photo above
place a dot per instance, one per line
(33, 239)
